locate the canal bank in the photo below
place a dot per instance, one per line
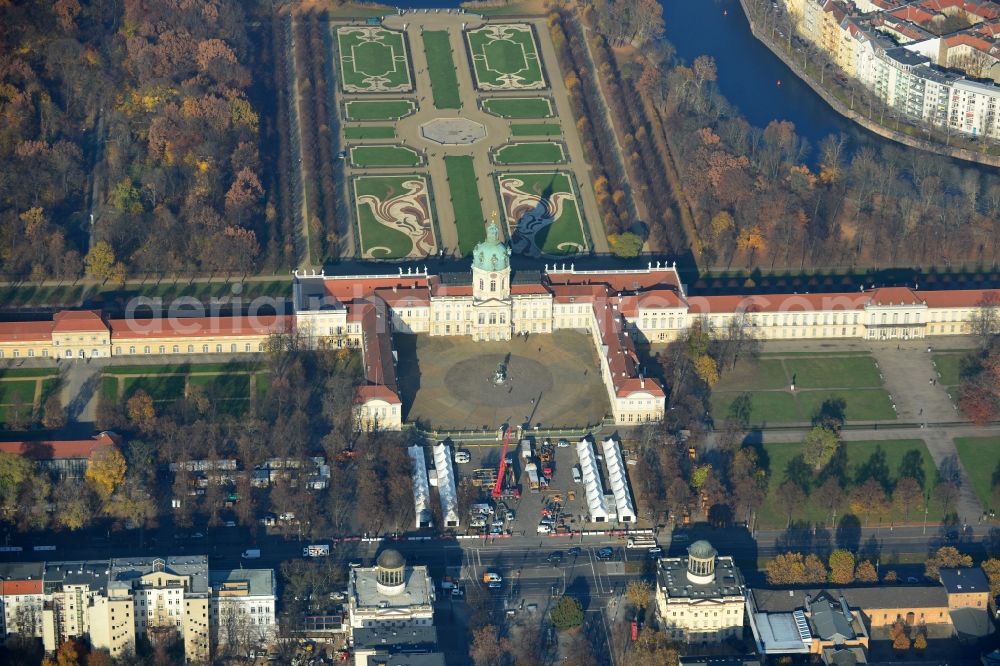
(856, 117)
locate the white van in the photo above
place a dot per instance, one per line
(577, 474)
(544, 528)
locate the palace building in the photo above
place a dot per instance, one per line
(617, 308)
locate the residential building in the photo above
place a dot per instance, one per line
(21, 597)
(242, 606)
(113, 602)
(170, 596)
(700, 598)
(77, 604)
(898, 52)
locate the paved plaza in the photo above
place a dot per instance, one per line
(447, 382)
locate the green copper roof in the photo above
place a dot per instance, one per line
(491, 254)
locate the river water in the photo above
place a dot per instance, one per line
(752, 78)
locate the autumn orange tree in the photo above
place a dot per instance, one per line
(946, 557)
(841, 567)
(106, 471)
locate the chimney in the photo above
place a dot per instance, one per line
(394, 288)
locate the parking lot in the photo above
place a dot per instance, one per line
(556, 506)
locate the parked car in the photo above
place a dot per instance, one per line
(462, 457)
(563, 443)
(544, 528)
(555, 558)
(606, 553)
(577, 475)
(575, 551)
(655, 552)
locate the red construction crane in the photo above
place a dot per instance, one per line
(498, 486)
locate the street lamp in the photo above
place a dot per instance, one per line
(926, 499)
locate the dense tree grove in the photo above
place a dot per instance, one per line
(979, 391)
(305, 412)
(149, 97)
(756, 198)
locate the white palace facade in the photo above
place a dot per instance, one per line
(617, 308)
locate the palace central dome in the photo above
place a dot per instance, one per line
(491, 254)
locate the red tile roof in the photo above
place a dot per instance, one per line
(379, 362)
(445, 290)
(60, 449)
(777, 303)
(350, 289)
(893, 296)
(958, 298)
(26, 331)
(409, 297)
(619, 281)
(71, 321)
(363, 394)
(522, 289)
(14, 587)
(913, 13)
(123, 330)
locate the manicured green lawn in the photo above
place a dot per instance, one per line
(441, 68)
(109, 388)
(877, 458)
(750, 375)
(818, 377)
(381, 109)
(380, 156)
(773, 407)
(505, 57)
(519, 107)
(833, 371)
(181, 368)
(224, 387)
(159, 387)
(228, 392)
(543, 152)
(981, 458)
(18, 391)
(949, 366)
(535, 129)
(465, 202)
(14, 373)
(765, 406)
(373, 59)
(29, 294)
(541, 208)
(385, 232)
(372, 132)
(862, 405)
